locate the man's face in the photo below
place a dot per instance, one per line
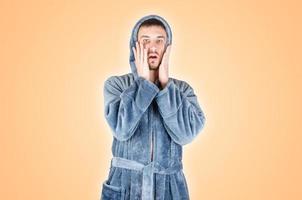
(154, 39)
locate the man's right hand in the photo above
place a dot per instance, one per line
(141, 60)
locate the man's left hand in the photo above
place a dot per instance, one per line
(164, 68)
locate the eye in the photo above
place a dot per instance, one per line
(159, 41)
(146, 41)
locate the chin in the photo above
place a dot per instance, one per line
(153, 67)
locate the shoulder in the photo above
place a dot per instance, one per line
(121, 81)
(182, 85)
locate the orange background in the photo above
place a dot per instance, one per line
(243, 59)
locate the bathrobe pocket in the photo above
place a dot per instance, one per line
(111, 192)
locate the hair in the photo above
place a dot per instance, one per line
(153, 22)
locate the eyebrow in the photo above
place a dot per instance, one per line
(149, 37)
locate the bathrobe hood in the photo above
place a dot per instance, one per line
(134, 33)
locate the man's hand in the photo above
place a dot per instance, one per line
(141, 61)
(164, 68)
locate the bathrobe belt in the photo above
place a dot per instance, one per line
(148, 171)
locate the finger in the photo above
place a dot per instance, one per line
(168, 51)
(134, 52)
(137, 50)
(141, 52)
(145, 57)
(136, 62)
(169, 48)
(166, 57)
(137, 57)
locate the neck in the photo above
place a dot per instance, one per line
(153, 75)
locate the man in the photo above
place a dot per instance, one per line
(151, 116)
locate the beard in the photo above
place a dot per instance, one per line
(154, 65)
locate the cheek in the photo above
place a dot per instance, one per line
(162, 54)
(162, 51)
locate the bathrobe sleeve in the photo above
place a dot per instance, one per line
(125, 105)
(183, 118)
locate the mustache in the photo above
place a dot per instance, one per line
(153, 55)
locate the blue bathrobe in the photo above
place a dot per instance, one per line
(149, 127)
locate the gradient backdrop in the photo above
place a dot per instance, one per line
(243, 59)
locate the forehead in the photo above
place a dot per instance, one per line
(152, 32)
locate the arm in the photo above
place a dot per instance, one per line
(180, 110)
(125, 107)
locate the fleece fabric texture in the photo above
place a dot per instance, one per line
(142, 116)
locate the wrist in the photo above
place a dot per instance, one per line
(163, 85)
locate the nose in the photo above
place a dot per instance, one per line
(153, 49)
(152, 46)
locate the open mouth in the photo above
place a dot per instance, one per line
(152, 57)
